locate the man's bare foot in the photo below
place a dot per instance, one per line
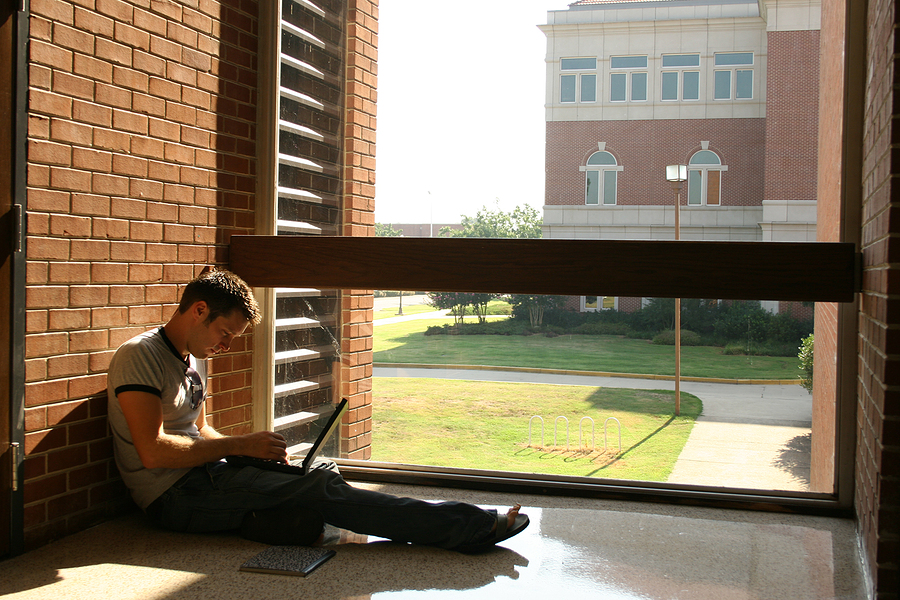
(511, 515)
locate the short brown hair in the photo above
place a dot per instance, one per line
(223, 292)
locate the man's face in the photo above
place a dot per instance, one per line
(210, 338)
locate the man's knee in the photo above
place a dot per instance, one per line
(283, 526)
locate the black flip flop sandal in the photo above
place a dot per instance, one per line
(502, 532)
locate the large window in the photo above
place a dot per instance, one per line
(600, 179)
(705, 179)
(733, 76)
(575, 86)
(395, 405)
(628, 79)
(680, 77)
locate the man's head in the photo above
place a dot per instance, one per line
(223, 292)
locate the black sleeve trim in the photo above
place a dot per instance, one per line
(134, 387)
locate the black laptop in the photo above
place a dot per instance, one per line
(298, 466)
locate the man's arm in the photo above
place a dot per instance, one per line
(158, 449)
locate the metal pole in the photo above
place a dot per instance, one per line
(678, 309)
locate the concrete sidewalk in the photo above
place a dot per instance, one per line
(747, 436)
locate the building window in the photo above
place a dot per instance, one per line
(581, 87)
(733, 77)
(705, 179)
(628, 82)
(600, 179)
(598, 303)
(680, 77)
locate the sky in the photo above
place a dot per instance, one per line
(460, 108)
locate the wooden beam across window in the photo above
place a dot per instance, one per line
(821, 272)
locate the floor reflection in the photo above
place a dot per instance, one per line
(574, 547)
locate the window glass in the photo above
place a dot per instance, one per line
(723, 85)
(592, 187)
(691, 85)
(628, 62)
(694, 187)
(601, 158)
(570, 64)
(705, 157)
(638, 87)
(567, 88)
(734, 58)
(588, 88)
(681, 60)
(609, 187)
(617, 87)
(743, 83)
(670, 85)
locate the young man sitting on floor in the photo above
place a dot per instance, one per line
(170, 458)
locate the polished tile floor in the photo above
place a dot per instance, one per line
(574, 548)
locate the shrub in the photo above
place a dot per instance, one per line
(667, 338)
(806, 363)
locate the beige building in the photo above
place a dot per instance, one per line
(727, 87)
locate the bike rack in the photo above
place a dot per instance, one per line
(605, 423)
(541, 419)
(555, 423)
(593, 437)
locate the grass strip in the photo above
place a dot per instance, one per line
(406, 343)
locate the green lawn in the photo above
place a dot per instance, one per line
(405, 343)
(485, 425)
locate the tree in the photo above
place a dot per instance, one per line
(458, 301)
(521, 222)
(387, 230)
(535, 306)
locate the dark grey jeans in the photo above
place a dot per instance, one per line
(217, 497)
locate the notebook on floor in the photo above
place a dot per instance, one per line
(299, 561)
(300, 467)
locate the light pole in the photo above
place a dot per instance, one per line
(677, 174)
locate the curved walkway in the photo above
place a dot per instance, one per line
(753, 436)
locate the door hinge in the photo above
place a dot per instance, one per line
(14, 465)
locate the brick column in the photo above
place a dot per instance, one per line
(359, 220)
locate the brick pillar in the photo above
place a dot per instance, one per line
(359, 220)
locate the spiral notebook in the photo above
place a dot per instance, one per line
(298, 561)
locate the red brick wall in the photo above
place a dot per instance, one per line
(644, 148)
(792, 125)
(878, 415)
(141, 165)
(359, 219)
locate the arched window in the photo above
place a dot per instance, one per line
(600, 178)
(705, 179)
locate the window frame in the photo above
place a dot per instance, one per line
(733, 70)
(603, 169)
(578, 74)
(837, 502)
(629, 74)
(679, 72)
(703, 170)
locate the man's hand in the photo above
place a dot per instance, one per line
(263, 444)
